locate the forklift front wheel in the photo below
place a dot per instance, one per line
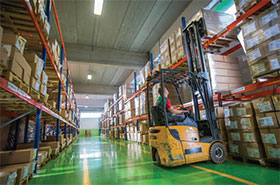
(218, 153)
(157, 158)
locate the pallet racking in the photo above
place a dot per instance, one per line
(18, 104)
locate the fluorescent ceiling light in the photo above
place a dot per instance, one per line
(89, 77)
(86, 106)
(86, 96)
(91, 114)
(98, 4)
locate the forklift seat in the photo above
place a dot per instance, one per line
(158, 115)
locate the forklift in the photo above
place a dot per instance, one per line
(175, 143)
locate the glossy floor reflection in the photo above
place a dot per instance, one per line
(96, 161)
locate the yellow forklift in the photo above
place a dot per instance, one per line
(175, 143)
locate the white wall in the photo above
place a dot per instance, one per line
(89, 123)
(188, 13)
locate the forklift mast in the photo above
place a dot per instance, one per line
(197, 76)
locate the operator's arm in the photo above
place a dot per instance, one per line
(175, 111)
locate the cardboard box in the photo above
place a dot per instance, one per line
(35, 63)
(269, 15)
(236, 149)
(43, 89)
(271, 46)
(8, 177)
(219, 112)
(248, 123)
(251, 136)
(232, 123)
(235, 136)
(272, 151)
(268, 120)
(262, 105)
(14, 40)
(53, 138)
(22, 171)
(47, 149)
(221, 124)
(3, 57)
(244, 109)
(223, 135)
(253, 151)
(144, 127)
(255, 54)
(276, 102)
(35, 84)
(270, 135)
(17, 156)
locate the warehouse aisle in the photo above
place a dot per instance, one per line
(93, 161)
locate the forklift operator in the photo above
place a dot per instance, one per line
(172, 114)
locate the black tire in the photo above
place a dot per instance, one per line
(218, 153)
(157, 158)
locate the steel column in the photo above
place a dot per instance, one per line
(26, 129)
(37, 135)
(183, 20)
(135, 90)
(151, 63)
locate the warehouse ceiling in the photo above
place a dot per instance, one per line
(112, 45)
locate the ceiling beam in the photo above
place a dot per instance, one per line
(81, 88)
(107, 56)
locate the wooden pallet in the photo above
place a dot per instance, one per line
(260, 161)
(25, 180)
(35, 94)
(16, 81)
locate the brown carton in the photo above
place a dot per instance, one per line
(248, 123)
(35, 84)
(14, 40)
(255, 54)
(253, 151)
(221, 124)
(276, 102)
(244, 109)
(22, 171)
(268, 120)
(3, 57)
(236, 149)
(219, 112)
(35, 63)
(1, 34)
(270, 135)
(17, 156)
(272, 151)
(232, 123)
(235, 136)
(8, 177)
(171, 38)
(229, 111)
(262, 105)
(223, 135)
(269, 15)
(251, 136)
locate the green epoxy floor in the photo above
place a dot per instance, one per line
(96, 161)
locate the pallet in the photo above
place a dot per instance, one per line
(25, 180)
(261, 161)
(268, 75)
(16, 81)
(35, 94)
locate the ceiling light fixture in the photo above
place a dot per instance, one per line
(86, 96)
(89, 77)
(86, 106)
(98, 4)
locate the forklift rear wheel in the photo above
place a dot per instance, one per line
(157, 159)
(218, 153)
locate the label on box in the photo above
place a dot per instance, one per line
(233, 124)
(253, 152)
(233, 148)
(253, 55)
(271, 32)
(274, 63)
(249, 28)
(259, 68)
(20, 44)
(37, 85)
(25, 172)
(269, 139)
(245, 123)
(235, 136)
(252, 42)
(274, 45)
(266, 121)
(12, 178)
(228, 112)
(241, 111)
(249, 137)
(269, 17)
(264, 107)
(273, 152)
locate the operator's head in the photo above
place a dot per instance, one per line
(165, 92)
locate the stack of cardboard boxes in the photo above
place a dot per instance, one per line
(144, 132)
(17, 165)
(224, 72)
(144, 72)
(143, 101)
(129, 109)
(165, 57)
(268, 118)
(55, 50)
(176, 46)
(262, 38)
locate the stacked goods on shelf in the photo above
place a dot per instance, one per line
(132, 134)
(268, 118)
(55, 50)
(244, 5)
(165, 58)
(143, 102)
(262, 38)
(144, 132)
(144, 72)
(137, 105)
(224, 72)
(61, 140)
(129, 109)
(17, 164)
(176, 46)
(16, 69)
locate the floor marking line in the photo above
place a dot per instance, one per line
(224, 175)
(86, 179)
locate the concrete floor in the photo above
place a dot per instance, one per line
(95, 161)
